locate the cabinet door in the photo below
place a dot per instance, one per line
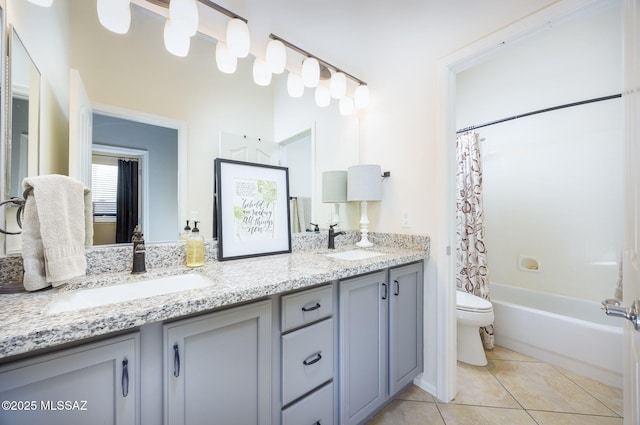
(405, 326)
(92, 384)
(218, 367)
(363, 342)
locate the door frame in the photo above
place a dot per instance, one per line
(441, 269)
(158, 121)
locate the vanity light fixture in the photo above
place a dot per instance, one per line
(114, 15)
(315, 69)
(364, 184)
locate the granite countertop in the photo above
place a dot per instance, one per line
(25, 326)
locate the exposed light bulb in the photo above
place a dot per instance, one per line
(115, 15)
(295, 86)
(310, 72)
(276, 56)
(361, 96)
(184, 16)
(43, 3)
(225, 61)
(175, 41)
(338, 85)
(346, 106)
(238, 39)
(323, 96)
(261, 72)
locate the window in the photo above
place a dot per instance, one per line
(104, 187)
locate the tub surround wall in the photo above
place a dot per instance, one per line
(26, 328)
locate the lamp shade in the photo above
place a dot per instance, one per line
(225, 61)
(238, 39)
(364, 183)
(310, 72)
(184, 16)
(175, 41)
(334, 186)
(261, 72)
(115, 15)
(361, 96)
(276, 56)
(338, 85)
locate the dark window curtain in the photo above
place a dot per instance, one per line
(127, 199)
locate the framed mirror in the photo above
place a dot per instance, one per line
(23, 129)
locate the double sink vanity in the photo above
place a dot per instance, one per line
(310, 337)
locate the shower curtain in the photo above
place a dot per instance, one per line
(471, 255)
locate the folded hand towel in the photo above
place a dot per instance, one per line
(56, 228)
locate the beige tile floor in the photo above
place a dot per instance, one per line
(512, 389)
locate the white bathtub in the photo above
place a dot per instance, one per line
(568, 332)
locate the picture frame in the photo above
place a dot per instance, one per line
(251, 209)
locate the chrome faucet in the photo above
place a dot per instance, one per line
(138, 251)
(332, 236)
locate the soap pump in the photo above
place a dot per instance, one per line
(186, 232)
(195, 247)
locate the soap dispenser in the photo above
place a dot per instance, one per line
(186, 232)
(195, 247)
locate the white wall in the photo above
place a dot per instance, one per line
(553, 182)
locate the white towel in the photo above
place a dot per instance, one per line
(56, 229)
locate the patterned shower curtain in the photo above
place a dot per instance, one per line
(471, 267)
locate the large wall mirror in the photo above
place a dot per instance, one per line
(214, 108)
(23, 129)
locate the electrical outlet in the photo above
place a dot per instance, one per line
(405, 219)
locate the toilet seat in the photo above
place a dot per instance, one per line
(472, 303)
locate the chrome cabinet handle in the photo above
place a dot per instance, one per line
(307, 309)
(384, 286)
(612, 308)
(314, 358)
(125, 377)
(397, 291)
(176, 360)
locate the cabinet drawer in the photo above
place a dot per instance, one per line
(316, 408)
(307, 359)
(305, 307)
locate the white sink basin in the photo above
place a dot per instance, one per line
(354, 254)
(93, 297)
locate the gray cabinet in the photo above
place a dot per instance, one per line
(405, 326)
(218, 367)
(363, 341)
(380, 339)
(91, 384)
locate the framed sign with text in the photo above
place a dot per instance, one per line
(251, 209)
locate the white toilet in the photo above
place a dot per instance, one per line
(473, 313)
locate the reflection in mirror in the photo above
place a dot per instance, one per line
(134, 172)
(22, 151)
(295, 153)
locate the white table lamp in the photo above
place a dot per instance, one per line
(364, 184)
(334, 190)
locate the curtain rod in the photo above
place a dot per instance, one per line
(539, 111)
